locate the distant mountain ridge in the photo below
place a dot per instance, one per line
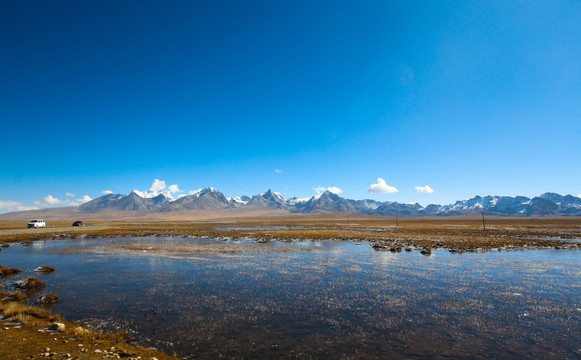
(548, 204)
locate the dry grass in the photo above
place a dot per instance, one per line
(30, 283)
(48, 299)
(43, 269)
(14, 296)
(461, 233)
(25, 335)
(27, 314)
(4, 271)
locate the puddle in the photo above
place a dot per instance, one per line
(267, 227)
(554, 238)
(207, 298)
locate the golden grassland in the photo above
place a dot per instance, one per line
(459, 233)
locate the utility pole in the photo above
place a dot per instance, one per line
(396, 220)
(483, 223)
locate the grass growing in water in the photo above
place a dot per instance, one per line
(4, 271)
(31, 283)
(48, 299)
(44, 269)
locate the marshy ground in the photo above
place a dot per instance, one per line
(456, 234)
(460, 297)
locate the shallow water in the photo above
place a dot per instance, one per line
(267, 227)
(308, 299)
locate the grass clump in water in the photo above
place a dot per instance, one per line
(44, 269)
(48, 299)
(13, 296)
(31, 283)
(4, 271)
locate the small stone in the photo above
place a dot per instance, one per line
(97, 351)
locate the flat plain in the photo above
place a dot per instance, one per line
(455, 234)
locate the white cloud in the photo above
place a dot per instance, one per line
(50, 200)
(106, 192)
(159, 187)
(424, 189)
(84, 199)
(333, 189)
(278, 171)
(10, 206)
(381, 187)
(70, 194)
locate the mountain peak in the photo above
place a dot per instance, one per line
(547, 204)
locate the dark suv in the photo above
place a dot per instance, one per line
(78, 223)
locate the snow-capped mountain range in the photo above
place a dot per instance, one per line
(548, 204)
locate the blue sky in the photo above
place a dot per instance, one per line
(465, 97)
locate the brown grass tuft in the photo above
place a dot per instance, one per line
(31, 283)
(4, 271)
(48, 299)
(15, 296)
(43, 269)
(26, 313)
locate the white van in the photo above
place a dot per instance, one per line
(36, 224)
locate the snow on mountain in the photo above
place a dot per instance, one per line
(152, 194)
(131, 202)
(297, 200)
(205, 199)
(269, 199)
(548, 204)
(239, 201)
(327, 202)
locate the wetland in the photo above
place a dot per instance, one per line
(331, 290)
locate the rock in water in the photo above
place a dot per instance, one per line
(44, 269)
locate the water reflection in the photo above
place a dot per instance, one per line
(315, 299)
